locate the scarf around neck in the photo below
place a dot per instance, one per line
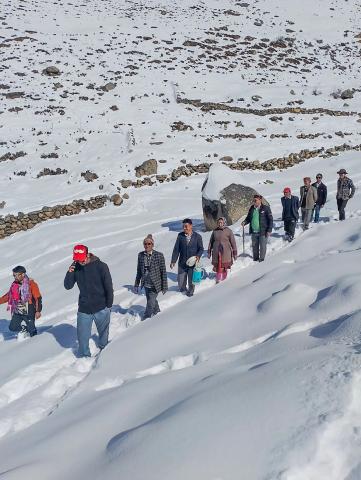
(19, 293)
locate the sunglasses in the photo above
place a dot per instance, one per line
(318, 177)
(148, 243)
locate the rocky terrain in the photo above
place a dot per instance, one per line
(86, 99)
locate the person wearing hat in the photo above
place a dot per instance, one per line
(345, 191)
(24, 302)
(95, 296)
(261, 222)
(223, 249)
(188, 244)
(308, 199)
(290, 215)
(321, 196)
(152, 275)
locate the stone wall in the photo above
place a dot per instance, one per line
(11, 224)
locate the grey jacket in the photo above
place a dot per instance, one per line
(157, 271)
(345, 188)
(311, 197)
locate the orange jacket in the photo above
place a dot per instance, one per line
(35, 296)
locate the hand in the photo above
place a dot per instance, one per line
(268, 234)
(243, 224)
(37, 315)
(171, 266)
(136, 289)
(71, 268)
(197, 259)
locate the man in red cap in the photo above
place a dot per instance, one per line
(290, 207)
(95, 298)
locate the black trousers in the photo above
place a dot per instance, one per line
(290, 227)
(341, 205)
(29, 320)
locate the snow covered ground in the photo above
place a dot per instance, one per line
(257, 378)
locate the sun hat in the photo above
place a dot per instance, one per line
(342, 170)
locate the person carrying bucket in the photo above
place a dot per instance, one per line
(223, 249)
(188, 244)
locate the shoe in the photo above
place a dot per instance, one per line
(261, 260)
(189, 293)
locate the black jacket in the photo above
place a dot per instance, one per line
(95, 285)
(157, 271)
(265, 219)
(321, 193)
(295, 205)
(184, 251)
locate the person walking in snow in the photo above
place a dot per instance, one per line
(321, 196)
(95, 298)
(308, 199)
(188, 244)
(345, 191)
(24, 302)
(260, 220)
(223, 249)
(152, 275)
(290, 215)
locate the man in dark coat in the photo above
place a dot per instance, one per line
(95, 299)
(345, 191)
(290, 215)
(261, 222)
(188, 244)
(152, 275)
(321, 196)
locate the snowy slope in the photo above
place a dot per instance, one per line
(252, 377)
(256, 378)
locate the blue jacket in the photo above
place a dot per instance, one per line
(295, 205)
(182, 251)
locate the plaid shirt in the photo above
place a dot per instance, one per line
(155, 272)
(345, 188)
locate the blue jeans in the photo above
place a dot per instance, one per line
(84, 329)
(317, 213)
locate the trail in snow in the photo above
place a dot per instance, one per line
(53, 380)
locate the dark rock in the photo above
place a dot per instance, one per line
(347, 94)
(51, 71)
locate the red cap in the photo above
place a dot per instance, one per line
(286, 189)
(80, 253)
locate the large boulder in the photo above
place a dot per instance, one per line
(149, 167)
(223, 197)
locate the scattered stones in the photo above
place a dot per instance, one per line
(126, 183)
(181, 127)
(2, 204)
(13, 95)
(49, 171)
(227, 158)
(89, 176)
(12, 156)
(149, 167)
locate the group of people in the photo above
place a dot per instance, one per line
(94, 281)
